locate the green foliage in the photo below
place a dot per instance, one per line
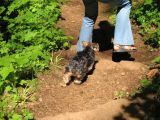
(15, 99)
(145, 83)
(118, 94)
(32, 22)
(28, 33)
(56, 61)
(112, 19)
(152, 85)
(147, 16)
(22, 65)
(17, 72)
(157, 60)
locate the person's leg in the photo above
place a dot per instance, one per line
(123, 33)
(91, 12)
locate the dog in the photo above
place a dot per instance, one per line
(79, 65)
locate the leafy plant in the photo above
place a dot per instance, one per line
(157, 60)
(120, 94)
(56, 61)
(147, 16)
(28, 34)
(14, 99)
(33, 23)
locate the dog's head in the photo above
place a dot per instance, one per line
(95, 47)
(89, 51)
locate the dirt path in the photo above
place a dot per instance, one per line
(93, 100)
(102, 112)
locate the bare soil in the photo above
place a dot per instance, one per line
(94, 99)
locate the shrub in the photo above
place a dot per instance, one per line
(27, 34)
(32, 22)
(147, 16)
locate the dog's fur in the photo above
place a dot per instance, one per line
(79, 66)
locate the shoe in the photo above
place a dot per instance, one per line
(124, 48)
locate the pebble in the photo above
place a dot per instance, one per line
(40, 99)
(139, 77)
(124, 88)
(104, 73)
(123, 73)
(117, 83)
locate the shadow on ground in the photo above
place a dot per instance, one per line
(117, 56)
(104, 35)
(144, 105)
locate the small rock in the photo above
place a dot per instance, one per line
(124, 88)
(123, 73)
(117, 69)
(117, 83)
(40, 99)
(104, 73)
(139, 77)
(98, 82)
(113, 82)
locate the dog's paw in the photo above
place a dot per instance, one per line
(91, 67)
(63, 85)
(78, 82)
(67, 78)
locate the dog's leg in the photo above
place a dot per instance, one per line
(66, 79)
(78, 80)
(90, 67)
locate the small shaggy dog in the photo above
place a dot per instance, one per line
(79, 66)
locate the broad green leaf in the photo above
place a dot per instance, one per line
(16, 117)
(5, 71)
(23, 82)
(8, 88)
(147, 2)
(157, 60)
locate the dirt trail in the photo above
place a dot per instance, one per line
(93, 100)
(100, 113)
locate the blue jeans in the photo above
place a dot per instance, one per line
(123, 33)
